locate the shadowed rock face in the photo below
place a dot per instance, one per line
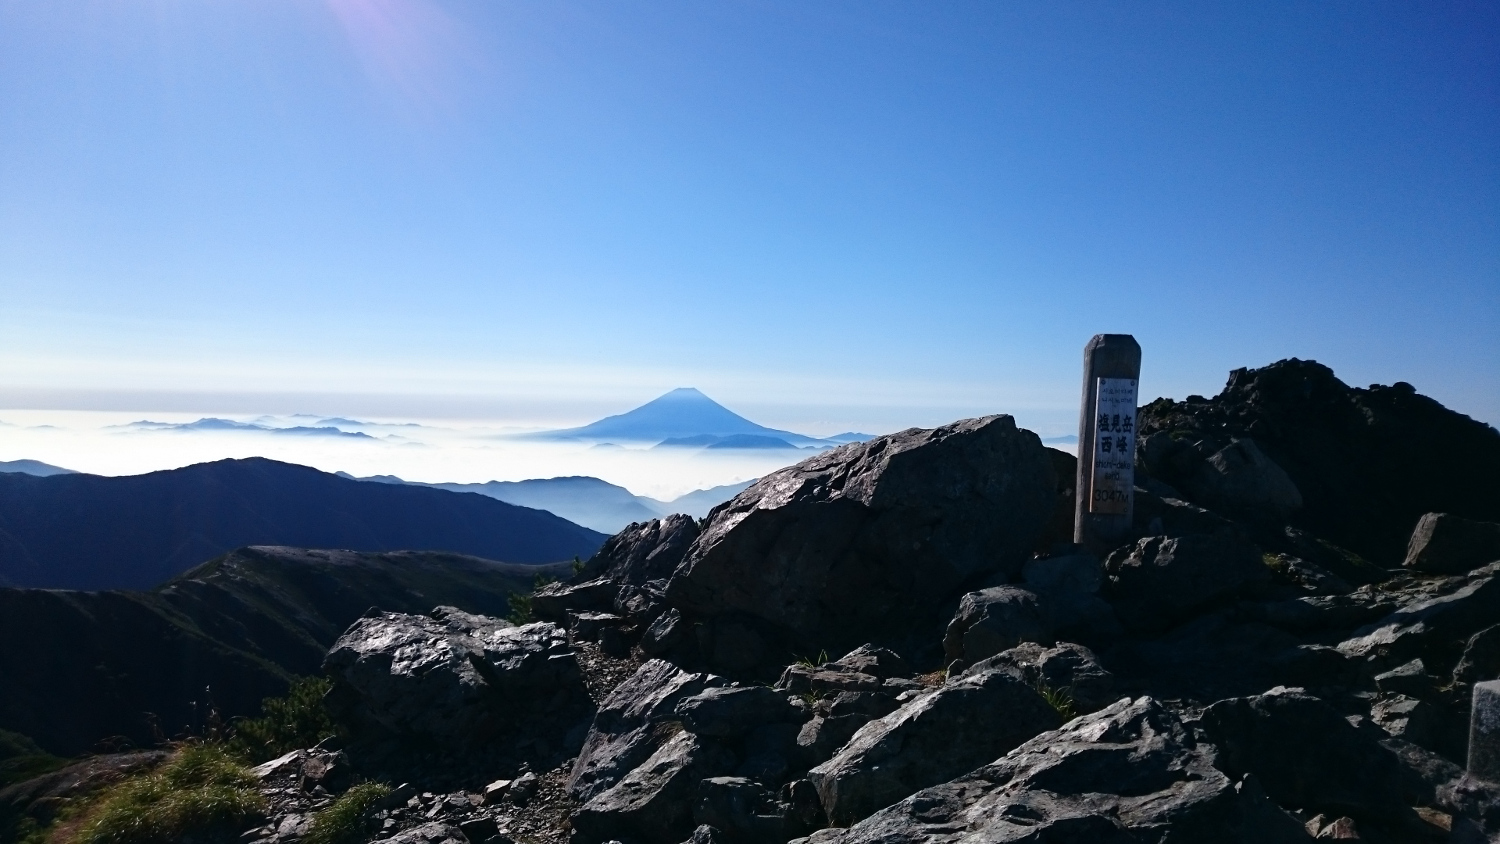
(863, 541)
(1367, 463)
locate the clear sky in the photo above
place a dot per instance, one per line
(826, 215)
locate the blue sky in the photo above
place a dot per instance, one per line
(828, 216)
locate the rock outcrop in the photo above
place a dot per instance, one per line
(864, 542)
(933, 738)
(1130, 772)
(452, 678)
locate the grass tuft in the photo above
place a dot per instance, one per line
(1060, 700)
(200, 789)
(349, 818)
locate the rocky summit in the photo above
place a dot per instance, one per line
(896, 641)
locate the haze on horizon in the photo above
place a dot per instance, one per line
(828, 217)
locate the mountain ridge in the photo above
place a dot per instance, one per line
(93, 532)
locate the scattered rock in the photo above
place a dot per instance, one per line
(1429, 628)
(992, 620)
(1409, 679)
(1446, 544)
(436, 832)
(1481, 657)
(1130, 772)
(1305, 754)
(928, 740)
(655, 800)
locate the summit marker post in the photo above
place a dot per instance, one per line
(1104, 494)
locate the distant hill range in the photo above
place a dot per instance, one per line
(79, 531)
(33, 467)
(587, 501)
(79, 667)
(686, 418)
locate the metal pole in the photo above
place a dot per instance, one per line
(1104, 497)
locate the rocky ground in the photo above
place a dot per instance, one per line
(896, 641)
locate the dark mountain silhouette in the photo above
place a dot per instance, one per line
(80, 667)
(684, 412)
(90, 532)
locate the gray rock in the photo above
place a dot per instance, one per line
(1428, 627)
(1446, 544)
(874, 661)
(863, 542)
(642, 604)
(1305, 754)
(587, 626)
(1079, 572)
(929, 740)
(1160, 580)
(821, 737)
(733, 711)
(1169, 516)
(665, 633)
(655, 800)
(743, 810)
(554, 601)
(705, 835)
(1481, 657)
(770, 752)
(436, 832)
(1408, 718)
(454, 678)
(1067, 667)
(1409, 679)
(828, 678)
(1128, 773)
(995, 619)
(644, 551)
(1240, 479)
(631, 724)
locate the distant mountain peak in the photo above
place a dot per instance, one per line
(680, 413)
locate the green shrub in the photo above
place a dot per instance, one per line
(286, 723)
(520, 605)
(199, 789)
(348, 819)
(21, 759)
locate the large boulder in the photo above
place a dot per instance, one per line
(1305, 754)
(1241, 480)
(734, 711)
(1443, 543)
(1128, 773)
(864, 542)
(933, 738)
(453, 678)
(631, 725)
(1163, 580)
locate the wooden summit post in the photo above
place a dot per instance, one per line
(1104, 495)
